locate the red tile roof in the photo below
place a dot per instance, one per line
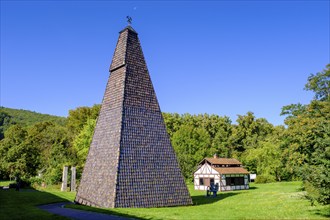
(223, 161)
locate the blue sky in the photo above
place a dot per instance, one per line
(216, 57)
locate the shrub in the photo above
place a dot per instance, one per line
(12, 185)
(35, 181)
(265, 179)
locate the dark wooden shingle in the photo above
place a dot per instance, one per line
(131, 162)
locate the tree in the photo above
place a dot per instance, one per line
(316, 173)
(307, 139)
(191, 146)
(249, 132)
(9, 117)
(320, 84)
(293, 110)
(53, 144)
(5, 122)
(17, 157)
(173, 122)
(77, 118)
(267, 160)
(83, 141)
(221, 142)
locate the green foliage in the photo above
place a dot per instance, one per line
(5, 122)
(197, 136)
(42, 144)
(24, 118)
(42, 148)
(83, 140)
(17, 156)
(220, 131)
(293, 110)
(306, 140)
(249, 132)
(55, 151)
(78, 117)
(320, 84)
(267, 160)
(305, 132)
(191, 146)
(254, 142)
(316, 173)
(173, 122)
(265, 178)
(81, 124)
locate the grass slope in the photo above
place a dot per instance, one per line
(6, 183)
(263, 201)
(23, 204)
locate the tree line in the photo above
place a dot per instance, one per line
(9, 117)
(298, 150)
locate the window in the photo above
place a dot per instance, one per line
(234, 181)
(201, 181)
(211, 181)
(228, 181)
(239, 181)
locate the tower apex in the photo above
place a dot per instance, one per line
(129, 20)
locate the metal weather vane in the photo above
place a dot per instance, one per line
(129, 20)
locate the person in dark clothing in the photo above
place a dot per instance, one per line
(18, 183)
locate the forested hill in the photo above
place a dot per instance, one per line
(9, 116)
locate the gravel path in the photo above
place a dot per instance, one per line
(58, 209)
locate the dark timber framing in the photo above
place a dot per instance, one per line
(228, 173)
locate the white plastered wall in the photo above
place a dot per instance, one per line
(205, 171)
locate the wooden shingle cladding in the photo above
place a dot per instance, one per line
(123, 167)
(227, 172)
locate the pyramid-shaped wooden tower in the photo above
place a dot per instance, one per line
(131, 162)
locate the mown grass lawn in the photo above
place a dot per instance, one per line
(263, 201)
(23, 204)
(282, 200)
(6, 183)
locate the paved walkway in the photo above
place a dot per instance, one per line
(58, 209)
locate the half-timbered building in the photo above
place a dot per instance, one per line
(228, 173)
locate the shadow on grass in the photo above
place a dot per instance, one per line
(204, 200)
(322, 212)
(253, 187)
(101, 210)
(23, 204)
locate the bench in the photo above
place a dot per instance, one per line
(212, 189)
